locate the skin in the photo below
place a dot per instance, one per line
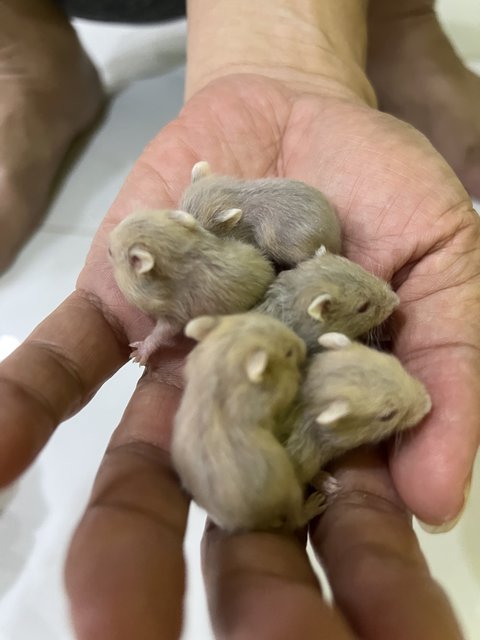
(419, 77)
(409, 56)
(405, 214)
(369, 553)
(50, 95)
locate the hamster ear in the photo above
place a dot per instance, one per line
(336, 409)
(200, 170)
(141, 259)
(333, 340)
(200, 327)
(256, 364)
(321, 251)
(319, 306)
(229, 217)
(183, 218)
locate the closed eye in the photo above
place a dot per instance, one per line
(388, 416)
(364, 307)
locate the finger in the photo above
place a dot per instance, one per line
(125, 571)
(377, 572)
(51, 376)
(261, 585)
(422, 219)
(437, 338)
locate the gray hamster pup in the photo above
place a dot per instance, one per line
(351, 395)
(169, 266)
(240, 379)
(287, 219)
(328, 293)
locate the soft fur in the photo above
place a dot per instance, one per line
(240, 380)
(347, 289)
(171, 268)
(287, 219)
(351, 395)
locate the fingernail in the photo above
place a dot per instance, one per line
(449, 524)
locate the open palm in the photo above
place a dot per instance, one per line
(404, 215)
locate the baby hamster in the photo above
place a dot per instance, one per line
(328, 293)
(287, 219)
(351, 395)
(240, 378)
(173, 269)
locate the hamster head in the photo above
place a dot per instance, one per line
(209, 197)
(358, 395)
(343, 296)
(256, 350)
(151, 244)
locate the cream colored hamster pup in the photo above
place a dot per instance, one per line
(351, 395)
(173, 269)
(328, 293)
(240, 379)
(287, 219)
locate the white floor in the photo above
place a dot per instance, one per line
(38, 521)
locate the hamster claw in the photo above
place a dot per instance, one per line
(326, 487)
(139, 354)
(326, 484)
(314, 506)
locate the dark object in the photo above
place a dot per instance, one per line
(137, 11)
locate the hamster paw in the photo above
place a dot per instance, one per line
(314, 506)
(326, 484)
(161, 335)
(141, 352)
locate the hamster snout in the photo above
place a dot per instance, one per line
(352, 395)
(329, 293)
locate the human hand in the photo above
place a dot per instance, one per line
(262, 585)
(379, 173)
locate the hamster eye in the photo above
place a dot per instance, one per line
(364, 307)
(388, 416)
(289, 353)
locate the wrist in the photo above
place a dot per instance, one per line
(317, 46)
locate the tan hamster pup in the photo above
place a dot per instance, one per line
(328, 293)
(287, 219)
(240, 379)
(173, 269)
(351, 395)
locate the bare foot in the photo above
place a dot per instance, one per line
(50, 94)
(419, 78)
